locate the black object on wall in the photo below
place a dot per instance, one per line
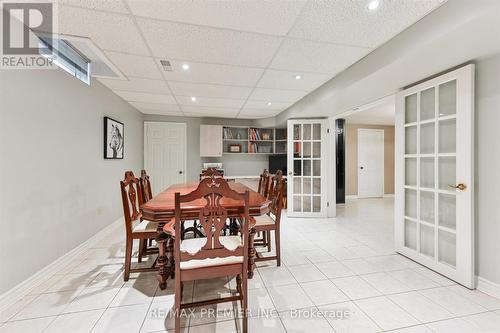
(340, 153)
(277, 162)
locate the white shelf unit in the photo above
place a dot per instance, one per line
(270, 141)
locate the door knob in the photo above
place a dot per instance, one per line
(290, 173)
(361, 168)
(180, 172)
(459, 186)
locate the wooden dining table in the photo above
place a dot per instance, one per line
(161, 209)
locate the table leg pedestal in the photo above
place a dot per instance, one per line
(251, 252)
(162, 275)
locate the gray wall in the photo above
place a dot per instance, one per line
(236, 165)
(57, 190)
(488, 168)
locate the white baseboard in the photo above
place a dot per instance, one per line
(488, 287)
(390, 195)
(11, 296)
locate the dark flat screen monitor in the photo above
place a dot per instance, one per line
(277, 162)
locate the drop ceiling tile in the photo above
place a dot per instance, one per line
(109, 31)
(163, 113)
(137, 85)
(213, 73)
(276, 95)
(257, 113)
(209, 111)
(308, 56)
(263, 105)
(208, 90)
(133, 65)
(150, 107)
(286, 80)
(269, 17)
(117, 6)
(350, 22)
(131, 96)
(202, 44)
(213, 102)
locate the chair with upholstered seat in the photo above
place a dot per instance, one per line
(147, 194)
(135, 226)
(271, 221)
(215, 255)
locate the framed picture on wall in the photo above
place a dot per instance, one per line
(114, 139)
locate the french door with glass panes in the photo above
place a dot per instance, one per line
(434, 218)
(307, 166)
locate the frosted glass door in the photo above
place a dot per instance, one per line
(306, 179)
(434, 190)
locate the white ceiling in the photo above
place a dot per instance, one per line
(243, 55)
(380, 114)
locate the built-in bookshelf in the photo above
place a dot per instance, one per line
(253, 140)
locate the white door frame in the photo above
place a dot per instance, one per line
(325, 167)
(383, 160)
(464, 233)
(184, 125)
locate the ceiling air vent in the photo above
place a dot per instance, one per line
(167, 67)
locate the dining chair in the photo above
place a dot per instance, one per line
(264, 178)
(271, 221)
(145, 183)
(215, 255)
(263, 189)
(135, 226)
(147, 194)
(195, 229)
(211, 172)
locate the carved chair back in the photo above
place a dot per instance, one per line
(211, 172)
(264, 179)
(212, 218)
(131, 199)
(145, 183)
(276, 193)
(273, 179)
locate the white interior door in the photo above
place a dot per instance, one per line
(370, 163)
(165, 154)
(434, 216)
(307, 168)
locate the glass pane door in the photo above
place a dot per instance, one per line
(434, 199)
(306, 161)
(430, 169)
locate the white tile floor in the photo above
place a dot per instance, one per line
(338, 275)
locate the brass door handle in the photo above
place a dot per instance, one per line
(459, 186)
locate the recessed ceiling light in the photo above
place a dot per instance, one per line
(269, 103)
(193, 99)
(373, 4)
(298, 77)
(185, 67)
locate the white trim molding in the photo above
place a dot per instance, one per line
(488, 287)
(16, 293)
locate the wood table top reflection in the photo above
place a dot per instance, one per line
(161, 207)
